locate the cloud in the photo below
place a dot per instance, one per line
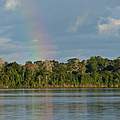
(12, 4)
(12, 50)
(110, 27)
(5, 29)
(78, 22)
(36, 40)
(6, 44)
(4, 41)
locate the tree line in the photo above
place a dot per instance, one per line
(93, 72)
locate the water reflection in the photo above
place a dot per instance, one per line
(38, 105)
(60, 104)
(46, 110)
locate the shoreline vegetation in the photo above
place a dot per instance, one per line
(95, 72)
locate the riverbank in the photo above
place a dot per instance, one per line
(63, 86)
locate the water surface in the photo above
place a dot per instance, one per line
(60, 104)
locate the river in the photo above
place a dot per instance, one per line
(60, 104)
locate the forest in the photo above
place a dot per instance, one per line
(95, 72)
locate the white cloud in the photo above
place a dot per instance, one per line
(78, 22)
(5, 29)
(111, 26)
(12, 4)
(36, 40)
(7, 44)
(11, 50)
(4, 40)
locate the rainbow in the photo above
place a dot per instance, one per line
(37, 33)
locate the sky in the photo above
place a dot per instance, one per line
(59, 29)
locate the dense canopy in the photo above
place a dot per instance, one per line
(93, 72)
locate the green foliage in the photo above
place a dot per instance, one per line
(94, 72)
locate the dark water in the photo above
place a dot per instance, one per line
(60, 104)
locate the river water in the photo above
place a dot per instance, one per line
(60, 104)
